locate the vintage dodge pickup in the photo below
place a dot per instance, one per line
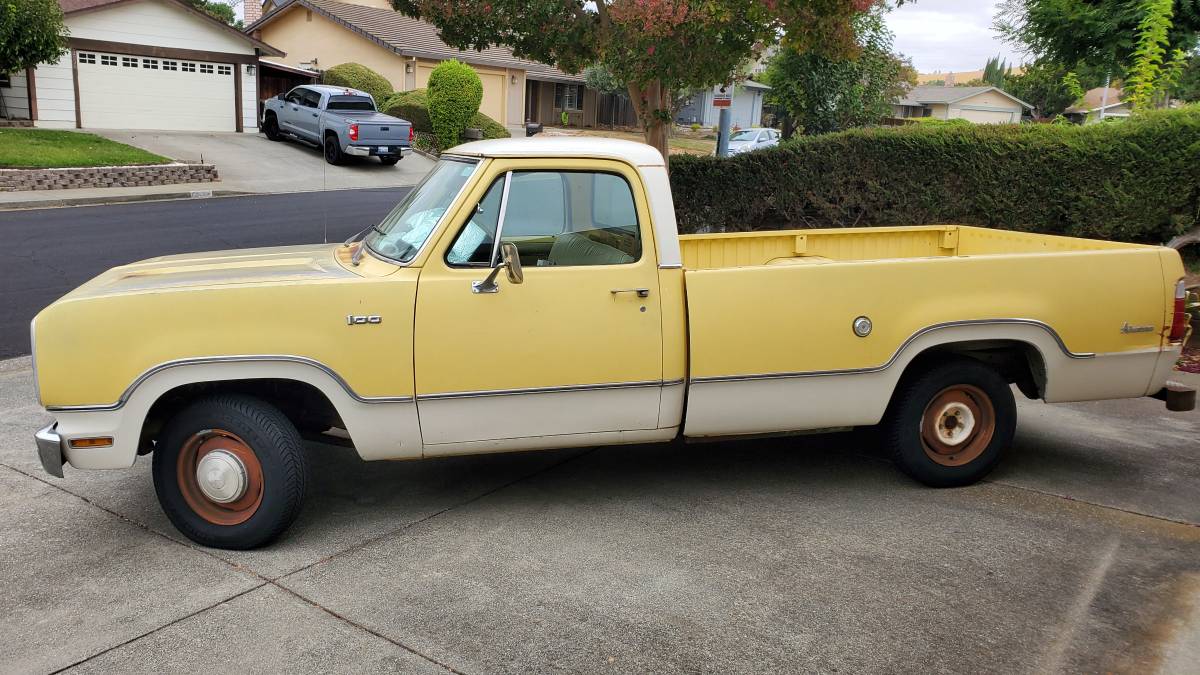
(534, 293)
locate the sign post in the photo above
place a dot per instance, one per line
(722, 100)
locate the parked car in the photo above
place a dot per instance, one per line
(342, 121)
(749, 140)
(535, 294)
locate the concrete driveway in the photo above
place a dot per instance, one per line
(812, 554)
(250, 163)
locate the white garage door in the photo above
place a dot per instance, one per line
(118, 91)
(990, 116)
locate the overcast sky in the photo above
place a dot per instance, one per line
(948, 35)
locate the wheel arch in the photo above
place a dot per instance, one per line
(1018, 361)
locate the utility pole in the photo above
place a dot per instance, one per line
(1104, 96)
(723, 133)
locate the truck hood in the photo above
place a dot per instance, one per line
(218, 268)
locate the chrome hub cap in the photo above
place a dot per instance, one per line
(221, 476)
(956, 423)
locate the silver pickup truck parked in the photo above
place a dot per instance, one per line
(342, 121)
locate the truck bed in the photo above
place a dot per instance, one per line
(817, 246)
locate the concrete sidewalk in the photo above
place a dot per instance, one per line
(1081, 554)
(247, 164)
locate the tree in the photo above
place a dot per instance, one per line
(31, 32)
(996, 72)
(1049, 87)
(1187, 85)
(656, 47)
(820, 93)
(1148, 75)
(218, 10)
(1084, 35)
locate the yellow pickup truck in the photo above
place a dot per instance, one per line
(534, 293)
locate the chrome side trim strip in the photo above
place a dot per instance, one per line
(230, 359)
(545, 390)
(896, 356)
(676, 266)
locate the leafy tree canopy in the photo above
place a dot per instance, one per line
(1101, 34)
(219, 10)
(656, 47)
(31, 32)
(820, 93)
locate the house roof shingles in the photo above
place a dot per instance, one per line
(1094, 98)
(74, 6)
(926, 95)
(407, 36)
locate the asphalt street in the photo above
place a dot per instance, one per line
(1080, 554)
(47, 252)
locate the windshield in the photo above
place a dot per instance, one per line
(349, 103)
(747, 135)
(405, 229)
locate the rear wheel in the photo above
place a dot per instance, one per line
(333, 149)
(271, 128)
(230, 472)
(950, 425)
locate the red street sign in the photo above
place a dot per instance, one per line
(723, 97)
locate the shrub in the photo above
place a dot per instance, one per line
(357, 76)
(454, 94)
(1137, 181)
(414, 107)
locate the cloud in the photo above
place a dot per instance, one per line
(948, 35)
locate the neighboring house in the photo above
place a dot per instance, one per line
(954, 78)
(984, 105)
(745, 111)
(320, 34)
(143, 64)
(1088, 109)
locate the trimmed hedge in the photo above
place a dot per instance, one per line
(1137, 181)
(455, 92)
(414, 107)
(357, 76)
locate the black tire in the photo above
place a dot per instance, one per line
(275, 445)
(271, 129)
(952, 385)
(333, 150)
(389, 161)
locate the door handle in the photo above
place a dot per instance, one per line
(314, 114)
(641, 292)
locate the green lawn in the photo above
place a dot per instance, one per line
(46, 149)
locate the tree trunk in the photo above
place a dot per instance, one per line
(652, 104)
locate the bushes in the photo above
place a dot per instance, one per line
(1138, 181)
(455, 92)
(359, 77)
(414, 107)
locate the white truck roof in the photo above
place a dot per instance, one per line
(637, 154)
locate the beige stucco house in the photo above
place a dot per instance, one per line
(320, 34)
(983, 105)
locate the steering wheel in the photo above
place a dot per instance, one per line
(398, 252)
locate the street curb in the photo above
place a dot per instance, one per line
(120, 199)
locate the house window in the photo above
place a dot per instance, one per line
(87, 57)
(152, 64)
(106, 60)
(5, 80)
(568, 96)
(224, 70)
(129, 62)
(206, 68)
(170, 65)
(188, 67)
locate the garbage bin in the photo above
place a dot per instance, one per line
(532, 129)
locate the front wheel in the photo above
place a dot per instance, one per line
(333, 150)
(949, 425)
(230, 472)
(271, 129)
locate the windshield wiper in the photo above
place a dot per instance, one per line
(362, 247)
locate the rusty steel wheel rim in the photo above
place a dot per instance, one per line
(220, 477)
(957, 425)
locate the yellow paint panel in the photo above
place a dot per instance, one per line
(797, 318)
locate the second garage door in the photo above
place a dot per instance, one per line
(120, 91)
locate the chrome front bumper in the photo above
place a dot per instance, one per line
(50, 450)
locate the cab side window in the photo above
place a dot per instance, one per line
(311, 99)
(294, 96)
(556, 219)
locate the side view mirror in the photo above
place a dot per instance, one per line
(510, 262)
(281, 96)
